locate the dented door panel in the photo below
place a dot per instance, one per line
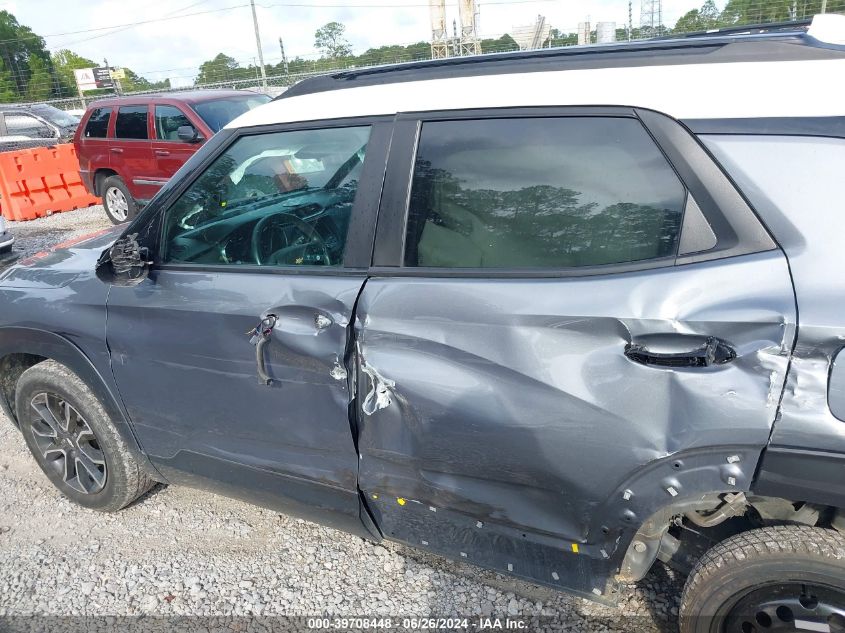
(510, 403)
(288, 444)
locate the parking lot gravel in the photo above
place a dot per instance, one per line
(189, 554)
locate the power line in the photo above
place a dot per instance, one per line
(128, 25)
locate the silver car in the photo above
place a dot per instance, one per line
(6, 237)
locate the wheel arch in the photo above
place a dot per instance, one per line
(22, 348)
(99, 176)
(721, 482)
(647, 498)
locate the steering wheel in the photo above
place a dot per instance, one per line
(283, 219)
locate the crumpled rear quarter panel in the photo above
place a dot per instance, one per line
(797, 187)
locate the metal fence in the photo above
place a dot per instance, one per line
(277, 81)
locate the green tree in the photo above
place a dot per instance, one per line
(18, 45)
(221, 68)
(40, 84)
(136, 83)
(329, 40)
(738, 12)
(8, 89)
(707, 17)
(559, 38)
(499, 44)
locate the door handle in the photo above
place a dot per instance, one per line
(711, 352)
(260, 337)
(116, 150)
(162, 152)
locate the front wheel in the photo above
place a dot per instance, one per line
(74, 441)
(119, 204)
(784, 578)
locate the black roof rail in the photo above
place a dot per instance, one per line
(797, 26)
(782, 41)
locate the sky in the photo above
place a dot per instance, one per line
(196, 30)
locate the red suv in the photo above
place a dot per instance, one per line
(128, 147)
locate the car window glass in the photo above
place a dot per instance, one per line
(219, 112)
(55, 116)
(168, 120)
(280, 199)
(98, 124)
(541, 193)
(19, 124)
(131, 122)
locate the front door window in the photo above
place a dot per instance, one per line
(279, 199)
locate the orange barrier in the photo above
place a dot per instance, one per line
(40, 181)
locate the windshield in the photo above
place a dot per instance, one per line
(218, 113)
(56, 116)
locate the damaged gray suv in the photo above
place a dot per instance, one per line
(559, 314)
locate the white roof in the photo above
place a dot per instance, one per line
(689, 91)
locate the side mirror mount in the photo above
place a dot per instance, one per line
(188, 134)
(125, 263)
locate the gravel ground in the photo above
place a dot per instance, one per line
(42, 233)
(182, 552)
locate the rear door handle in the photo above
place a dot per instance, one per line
(116, 150)
(162, 152)
(711, 352)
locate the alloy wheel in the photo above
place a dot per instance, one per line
(67, 445)
(788, 607)
(117, 203)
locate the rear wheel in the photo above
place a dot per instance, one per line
(74, 441)
(783, 578)
(119, 204)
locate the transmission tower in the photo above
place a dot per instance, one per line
(651, 17)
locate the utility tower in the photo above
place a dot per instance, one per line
(651, 18)
(439, 37)
(468, 12)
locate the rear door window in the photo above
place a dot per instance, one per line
(98, 123)
(168, 120)
(541, 193)
(131, 122)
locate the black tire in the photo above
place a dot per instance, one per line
(121, 481)
(773, 562)
(111, 190)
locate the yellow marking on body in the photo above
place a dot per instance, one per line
(400, 501)
(375, 496)
(575, 547)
